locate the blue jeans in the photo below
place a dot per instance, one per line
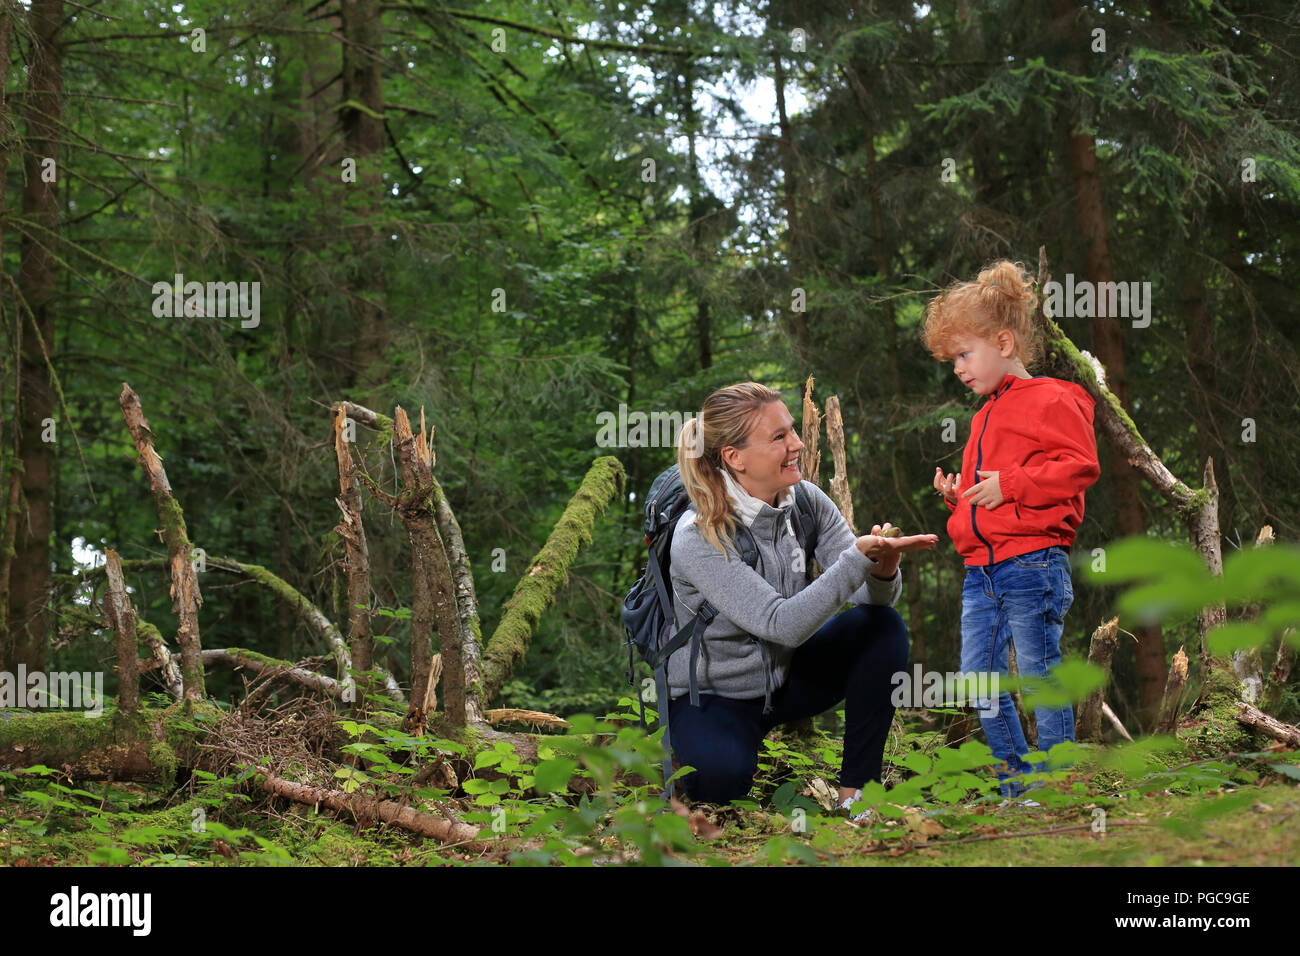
(1021, 599)
(851, 658)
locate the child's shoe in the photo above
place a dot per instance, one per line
(1020, 803)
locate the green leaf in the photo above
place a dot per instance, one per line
(487, 758)
(552, 775)
(783, 796)
(917, 762)
(1139, 558)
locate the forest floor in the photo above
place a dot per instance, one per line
(1150, 830)
(1156, 803)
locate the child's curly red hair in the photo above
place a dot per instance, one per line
(1001, 297)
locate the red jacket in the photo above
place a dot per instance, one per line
(1037, 434)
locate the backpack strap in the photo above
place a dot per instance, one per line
(805, 526)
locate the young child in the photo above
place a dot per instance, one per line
(1030, 455)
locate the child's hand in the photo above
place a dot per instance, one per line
(987, 493)
(947, 486)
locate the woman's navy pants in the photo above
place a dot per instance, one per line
(852, 658)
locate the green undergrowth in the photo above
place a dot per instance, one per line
(592, 797)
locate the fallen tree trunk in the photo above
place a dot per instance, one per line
(241, 659)
(364, 808)
(1256, 719)
(149, 745)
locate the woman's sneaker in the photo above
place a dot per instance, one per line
(865, 818)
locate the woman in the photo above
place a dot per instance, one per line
(774, 653)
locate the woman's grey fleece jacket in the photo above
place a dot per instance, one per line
(773, 604)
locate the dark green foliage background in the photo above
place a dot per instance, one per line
(522, 171)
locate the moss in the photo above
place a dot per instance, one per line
(93, 744)
(1059, 344)
(271, 580)
(60, 730)
(1198, 502)
(1216, 729)
(173, 518)
(387, 435)
(145, 632)
(548, 571)
(261, 658)
(337, 845)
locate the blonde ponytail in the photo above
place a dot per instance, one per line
(726, 419)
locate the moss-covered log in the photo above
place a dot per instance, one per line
(147, 745)
(549, 571)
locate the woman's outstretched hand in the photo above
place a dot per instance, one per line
(886, 544)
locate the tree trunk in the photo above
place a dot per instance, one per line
(703, 330)
(185, 582)
(10, 476)
(121, 617)
(1101, 651)
(1173, 695)
(361, 114)
(30, 574)
(434, 593)
(1108, 346)
(353, 533)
